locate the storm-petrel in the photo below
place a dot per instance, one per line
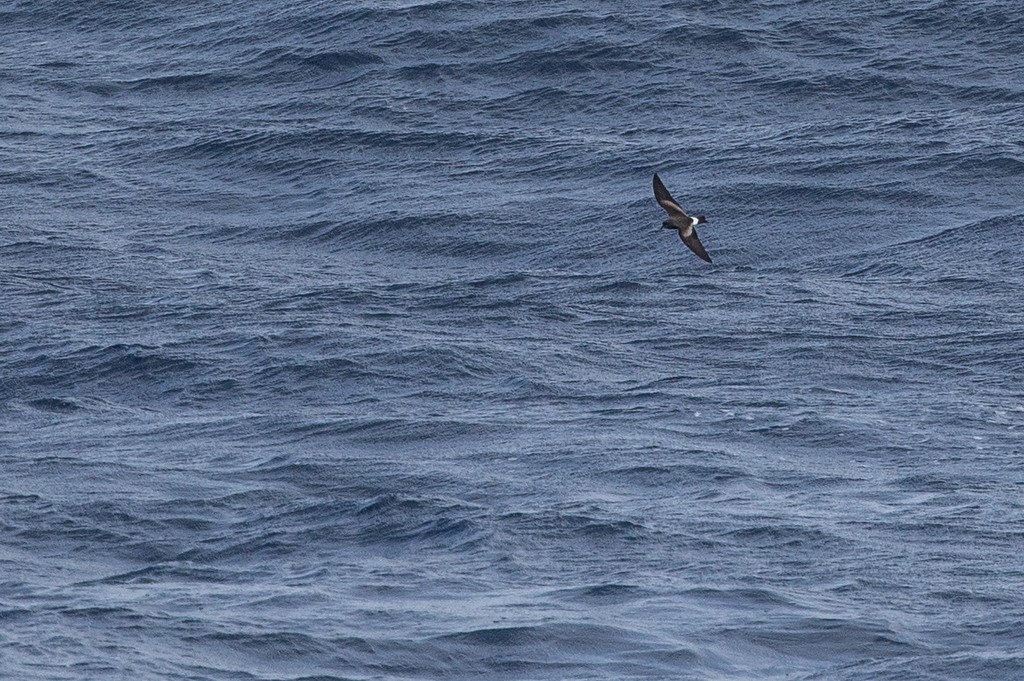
(679, 220)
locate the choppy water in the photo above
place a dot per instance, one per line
(341, 341)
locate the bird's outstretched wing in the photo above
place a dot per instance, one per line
(665, 199)
(694, 244)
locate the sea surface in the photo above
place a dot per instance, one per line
(342, 341)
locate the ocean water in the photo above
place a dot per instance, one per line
(341, 340)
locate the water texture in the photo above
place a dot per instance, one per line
(340, 340)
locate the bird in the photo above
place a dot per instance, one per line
(679, 220)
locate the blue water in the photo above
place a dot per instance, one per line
(342, 340)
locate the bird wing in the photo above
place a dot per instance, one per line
(690, 239)
(665, 199)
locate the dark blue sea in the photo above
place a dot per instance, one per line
(342, 340)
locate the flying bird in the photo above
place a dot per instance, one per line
(679, 220)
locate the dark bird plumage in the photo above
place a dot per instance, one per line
(679, 220)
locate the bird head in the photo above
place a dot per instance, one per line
(701, 219)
